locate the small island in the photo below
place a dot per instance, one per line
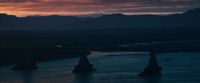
(26, 63)
(83, 65)
(25, 66)
(153, 69)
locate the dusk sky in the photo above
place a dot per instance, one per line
(85, 7)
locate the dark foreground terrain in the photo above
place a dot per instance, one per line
(53, 37)
(46, 45)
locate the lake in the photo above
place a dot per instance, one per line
(111, 67)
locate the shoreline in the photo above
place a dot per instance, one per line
(99, 53)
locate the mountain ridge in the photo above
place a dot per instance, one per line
(189, 18)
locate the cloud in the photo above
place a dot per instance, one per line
(79, 7)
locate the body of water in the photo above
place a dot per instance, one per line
(111, 67)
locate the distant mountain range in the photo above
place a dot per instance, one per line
(189, 18)
(68, 36)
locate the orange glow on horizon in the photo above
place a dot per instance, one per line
(24, 8)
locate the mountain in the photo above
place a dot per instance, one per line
(36, 22)
(67, 36)
(195, 12)
(187, 19)
(6, 20)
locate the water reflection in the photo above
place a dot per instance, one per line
(153, 79)
(26, 76)
(118, 69)
(83, 77)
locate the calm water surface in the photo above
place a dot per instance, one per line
(119, 67)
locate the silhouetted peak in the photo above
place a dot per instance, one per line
(83, 60)
(152, 69)
(52, 17)
(83, 65)
(114, 15)
(2, 15)
(195, 11)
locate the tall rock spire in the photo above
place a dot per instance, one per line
(83, 65)
(152, 69)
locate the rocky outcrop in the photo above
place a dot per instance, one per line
(26, 63)
(25, 66)
(83, 65)
(153, 69)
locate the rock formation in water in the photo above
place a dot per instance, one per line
(25, 66)
(28, 63)
(153, 69)
(83, 65)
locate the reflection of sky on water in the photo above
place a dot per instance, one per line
(118, 68)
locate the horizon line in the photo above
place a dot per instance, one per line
(96, 15)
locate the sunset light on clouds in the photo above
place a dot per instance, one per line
(87, 7)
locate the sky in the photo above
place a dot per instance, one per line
(23, 8)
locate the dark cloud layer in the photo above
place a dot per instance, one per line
(82, 7)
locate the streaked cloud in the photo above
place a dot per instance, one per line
(84, 7)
